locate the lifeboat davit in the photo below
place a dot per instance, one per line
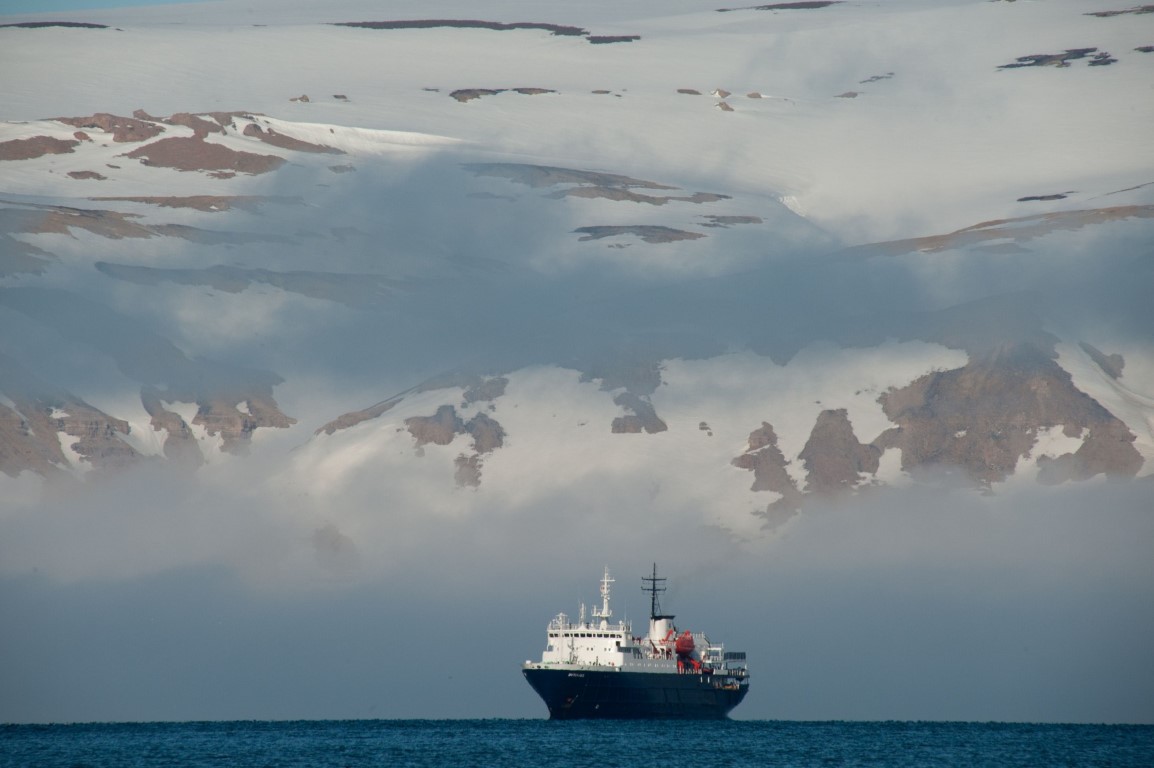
(684, 644)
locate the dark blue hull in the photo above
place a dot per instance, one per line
(587, 694)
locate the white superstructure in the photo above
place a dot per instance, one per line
(598, 644)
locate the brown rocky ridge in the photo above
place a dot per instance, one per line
(476, 389)
(497, 26)
(767, 462)
(641, 416)
(834, 459)
(37, 416)
(1111, 364)
(46, 24)
(444, 425)
(180, 444)
(649, 233)
(35, 146)
(1140, 9)
(469, 94)
(804, 5)
(287, 142)
(193, 153)
(729, 221)
(1060, 59)
(985, 417)
(123, 129)
(1019, 230)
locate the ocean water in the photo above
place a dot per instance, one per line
(532, 743)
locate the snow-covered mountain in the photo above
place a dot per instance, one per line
(739, 256)
(338, 336)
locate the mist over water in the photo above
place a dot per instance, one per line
(924, 605)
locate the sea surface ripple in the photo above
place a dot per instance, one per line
(525, 743)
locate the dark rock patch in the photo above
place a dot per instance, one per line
(469, 94)
(1019, 230)
(36, 146)
(555, 29)
(439, 429)
(180, 445)
(444, 425)
(620, 194)
(767, 462)
(353, 418)
(1111, 364)
(123, 129)
(194, 154)
(90, 175)
(46, 24)
(833, 456)
(799, 6)
(287, 142)
(488, 434)
(1060, 59)
(689, 91)
(643, 417)
(32, 427)
(1108, 450)
(729, 221)
(603, 39)
(197, 123)
(1036, 198)
(1136, 10)
(486, 390)
(984, 417)
(649, 233)
(32, 218)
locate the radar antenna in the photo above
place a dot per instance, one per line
(655, 586)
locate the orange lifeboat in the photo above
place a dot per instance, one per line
(684, 644)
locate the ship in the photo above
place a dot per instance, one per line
(595, 669)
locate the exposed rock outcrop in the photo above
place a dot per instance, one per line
(123, 129)
(642, 416)
(445, 424)
(36, 146)
(766, 461)
(1112, 365)
(193, 153)
(649, 233)
(39, 423)
(180, 444)
(985, 417)
(834, 458)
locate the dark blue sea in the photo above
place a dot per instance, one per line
(532, 743)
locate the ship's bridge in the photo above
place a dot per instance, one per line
(595, 642)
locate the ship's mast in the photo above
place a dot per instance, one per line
(603, 612)
(656, 586)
